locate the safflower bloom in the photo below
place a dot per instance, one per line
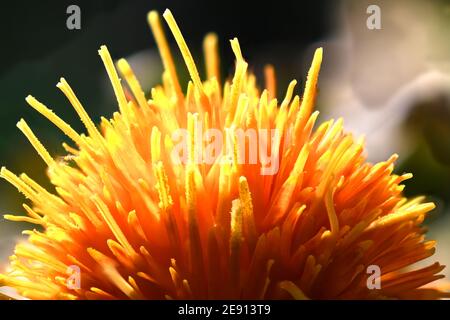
(138, 225)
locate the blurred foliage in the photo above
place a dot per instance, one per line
(429, 127)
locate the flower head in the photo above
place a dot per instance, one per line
(142, 215)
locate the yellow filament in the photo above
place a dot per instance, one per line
(43, 193)
(50, 115)
(10, 281)
(397, 217)
(236, 220)
(288, 96)
(190, 64)
(19, 184)
(155, 144)
(164, 51)
(190, 192)
(135, 286)
(115, 81)
(162, 186)
(102, 293)
(43, 153)
(23, 219)
(236, 49)
(334, 222)
(132, 81)
(193, 152)
(145, 276)
(241, 67)
(247, 210)
(120, 282)
(331, 170)
(187, 288)
(34, 253)
(31, 212)
(106, 214)
(293, 109)
(311, 82)
(68, 92)
(293, 290)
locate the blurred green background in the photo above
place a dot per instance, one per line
(391, 84)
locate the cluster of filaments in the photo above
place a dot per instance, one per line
(139, 226)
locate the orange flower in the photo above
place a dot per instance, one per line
(138, 225)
